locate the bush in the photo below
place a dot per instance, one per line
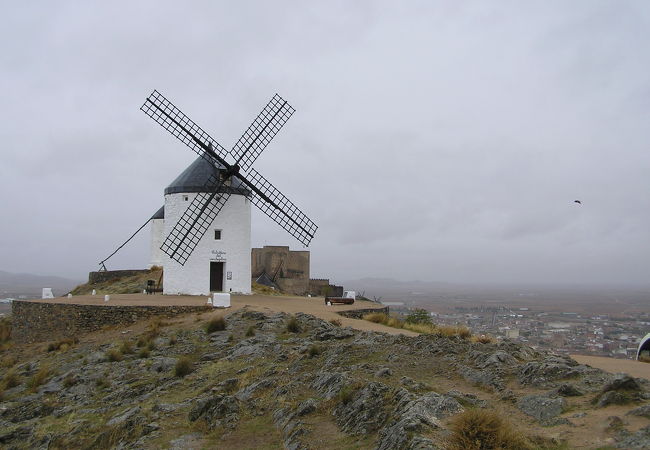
(39, 378)
(11, 379)
(69, 380)
(419, 316)
(478, 429)
(5, 329)
(144, 353)
(114, 355)
(173, 339)
(9, 361)
(336, 322)
(126, 348)
(183, 366)
(377, 318)
(292, 325)
(102, 383)
(215, 324)
(314, 350)
(483, 339)
(250, 331)
(63, 344)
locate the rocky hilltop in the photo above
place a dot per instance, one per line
(255, 380)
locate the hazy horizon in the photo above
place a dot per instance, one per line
(431, 140)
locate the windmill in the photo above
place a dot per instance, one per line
(232, 167)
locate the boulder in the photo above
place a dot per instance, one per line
(216, 410)
(363, 411)
(542, 407)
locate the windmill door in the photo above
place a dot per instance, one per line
(216, 276)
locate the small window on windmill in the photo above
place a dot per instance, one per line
(217, 235)
(186, 198)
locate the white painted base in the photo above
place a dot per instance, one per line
(47, 293)
(221, 300)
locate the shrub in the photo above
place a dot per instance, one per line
(183, 366)
(478, 429)
(377, 318)
(483, 339)
(5, 329)
(231, 338)
(126, 348)
(292, 325)
(420, 316)
(314, 350)
(346, 393)
(39, 378)
(9, 361)
(11, 379)
(114, 355)
(336, 322)
(250, 332)
(173, 339)
(215, 324)
(69, 380)
(102, 383)
(144, 353)
(63, 344)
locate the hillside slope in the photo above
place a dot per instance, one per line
(274, 380)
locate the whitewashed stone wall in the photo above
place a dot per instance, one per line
(157, 237)
(234, 249)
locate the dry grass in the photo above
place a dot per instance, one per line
(126, 348)
(9, 361)
(250, 331)
(5, 330)
(314, 350)
(39, 378)
(478, 429)
(11, 379)
(125, 285)
(114, 355)
(292, 325)
(183, 366)
(336, 322)
(215, 324)
(483, 339)
(63, 344)
(264, 290)
(422, 328)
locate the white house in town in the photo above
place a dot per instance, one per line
(221, 262)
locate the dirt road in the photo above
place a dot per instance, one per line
(613, 365)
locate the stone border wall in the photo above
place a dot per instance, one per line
(359, 313)
(107, 275)
(40, 322)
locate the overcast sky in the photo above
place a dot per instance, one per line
(431, 140)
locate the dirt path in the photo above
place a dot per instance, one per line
(613, 365)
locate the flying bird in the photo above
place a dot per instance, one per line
(578, 202)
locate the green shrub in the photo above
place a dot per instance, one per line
(69, 380)
(102, 383)
(215, 324)
(144, 353)
(173, 339)
(292, 325)
(250, 331)
(479, 429)
(62, 344)
(419, 316)
(183, 366)
(314, 350)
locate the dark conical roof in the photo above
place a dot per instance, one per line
(196, 176)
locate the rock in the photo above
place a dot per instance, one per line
(246, 393)
(623, 382)
(383, 372)
(415, 415)
(18, 435)
(228, 385)
(470, 399)
(542, 407)
(333, 332)
(484, 377)
(614, 398)
(363, 411)
(306, 407)
(216, 410)
(187, 441)
(640, 439)
(162, 364)
(538, 373)
(614, 423)
(131, 415)
(329, 384)
(568, 390)
(643, 411)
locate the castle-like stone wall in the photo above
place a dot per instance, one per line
(41, 322)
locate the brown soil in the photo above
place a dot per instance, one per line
(613, 365)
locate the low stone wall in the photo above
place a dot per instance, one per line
(359, 313)
(41, 322)
(106, 275)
